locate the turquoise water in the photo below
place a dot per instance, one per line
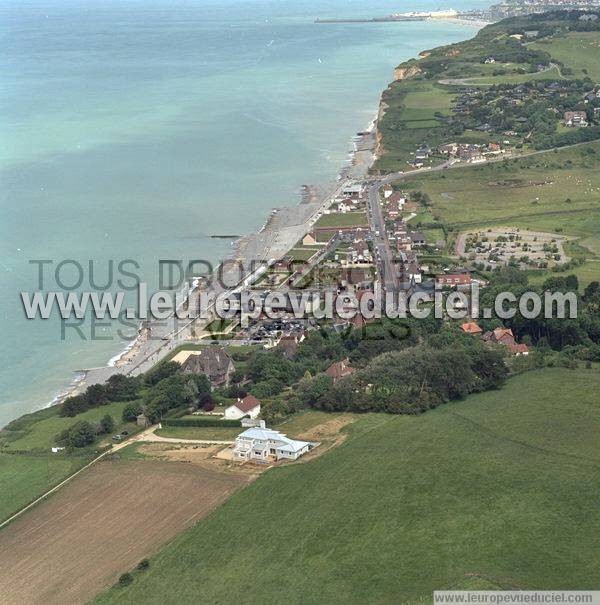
(134, 129)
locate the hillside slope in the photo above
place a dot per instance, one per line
(499, 490)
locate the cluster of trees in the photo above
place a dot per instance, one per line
(268, 373)
(83, 433)
(117, 388)
(445, 366)
(166, 389)
(403, 366)
(582, 332)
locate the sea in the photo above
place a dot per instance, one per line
(135, 129)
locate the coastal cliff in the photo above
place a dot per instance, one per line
(410, 69)
(406, 70)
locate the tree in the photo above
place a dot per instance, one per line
(122, 388)
(80, 434)
(72, 406)
(206, 402)
(107, 424)
(161, 371)
(95, 395)
(125, 579)
(131, 411)
(312, 391)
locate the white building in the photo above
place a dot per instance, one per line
(249, 407)
(259, 443)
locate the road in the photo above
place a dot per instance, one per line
(383, 253)
(385, 257)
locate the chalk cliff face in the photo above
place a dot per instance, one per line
(406, 71)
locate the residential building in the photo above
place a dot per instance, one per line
(309, 240)
(413, 272)
(505, 337)
(213, 361)
(452, 280)
(340, 369)
(471, 327)
(248, 406)
(263, 444)
(387, 190)
(575, 119)
(288, 345)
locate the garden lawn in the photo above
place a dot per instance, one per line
(200, 433)
(350, 219)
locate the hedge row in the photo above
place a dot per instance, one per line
(201, 421)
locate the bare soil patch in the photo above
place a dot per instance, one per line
(101, 525)
(204, 456)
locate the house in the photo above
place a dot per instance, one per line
(248, 406)
(285, 263)
(453, 280)
(352, 191)
(143, 421)
(263, 444)
(413, 272)
(449, 150)
(490, 60)
(502, 336)
(213, 361)
(338, 370)
(575, 119)
(288, 345)
(417, 238)
(309, 240)
(387, 191)
(471, 327)
(505, 337)
(358, 253)
(518, 349)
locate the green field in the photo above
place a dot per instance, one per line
(303, 253)
(577, 50)
(23, 478)
(192, 432)
(546, 192)
(350, 219)
(40, 433)
(552, 73)
(500, 490)
(28, 468)
(410, 119)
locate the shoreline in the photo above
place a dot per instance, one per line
(290, 217)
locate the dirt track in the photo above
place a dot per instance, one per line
(81, 539)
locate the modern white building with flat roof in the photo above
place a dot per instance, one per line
(264, 444)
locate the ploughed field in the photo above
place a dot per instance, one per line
(81, 539)
(500, 490)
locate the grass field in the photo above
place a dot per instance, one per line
(39, 435)
(350, 219)
(301, 253)
(101, 525)
(23, 477)
(553, 192)
(410, 119)
(548, 74)
(193, 432)
(27, 466)
(586, 273)
(499, 490)
(577, 50)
